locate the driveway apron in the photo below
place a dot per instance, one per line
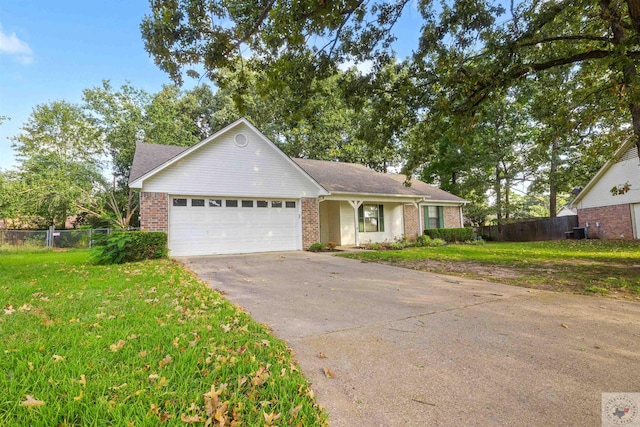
(387, 346)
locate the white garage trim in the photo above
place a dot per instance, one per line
(224, 225)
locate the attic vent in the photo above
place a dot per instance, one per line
(241, 140)
(630, 154)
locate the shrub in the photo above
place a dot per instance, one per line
(130, 246)
(374, 246)
(316, 247)
(450, 234)
(423, 240)
(396, 246)
(331, 246)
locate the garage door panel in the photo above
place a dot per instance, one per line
(202, 230)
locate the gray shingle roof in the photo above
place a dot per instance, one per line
(335, 177)
(338, 177)
(149, 156)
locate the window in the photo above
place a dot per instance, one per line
(275, 204)
(247, 203)
(197, 202)
(215, 203)
(231, 203)
(370, 218)
(179, 202)
(433, 217)
(262, 204)
(290, 204)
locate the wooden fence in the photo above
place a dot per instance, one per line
(528, 231)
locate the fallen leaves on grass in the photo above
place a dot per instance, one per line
(117, 346)
(165, 361)
(31, 402)
(57, 359)
(191, 419)
(9, 310)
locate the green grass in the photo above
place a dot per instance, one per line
(140, 344)
(579, 266)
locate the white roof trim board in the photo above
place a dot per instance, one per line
(612, 161)
(333, 179)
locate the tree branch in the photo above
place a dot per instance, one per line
(564, 38)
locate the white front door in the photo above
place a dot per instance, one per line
(216, 225)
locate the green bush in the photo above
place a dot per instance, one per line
(316, 247)
(130, 246)
(450, 234)
(423, 240)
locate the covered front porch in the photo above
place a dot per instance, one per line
(354, 221)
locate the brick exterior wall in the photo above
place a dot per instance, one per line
(411, 222)
(615, 222)
(310, 221)
(451, 216)
(154, 211)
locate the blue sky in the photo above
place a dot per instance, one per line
(52, 50)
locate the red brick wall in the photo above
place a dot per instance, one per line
(411, 222)
(615, 221)
(154, 211)
(310, 222)
(451, 217)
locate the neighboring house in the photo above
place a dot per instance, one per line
(610, 216)
(237, 192)
(567, 211)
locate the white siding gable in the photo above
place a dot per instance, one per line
(221, 167)
(599, 194)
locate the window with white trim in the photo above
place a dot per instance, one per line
(433, 217)
(370, 218)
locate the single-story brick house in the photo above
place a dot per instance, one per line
(237, 192)
(607, 215)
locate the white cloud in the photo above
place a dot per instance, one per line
(10, 44)
(364, 67)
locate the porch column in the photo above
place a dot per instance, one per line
(461, 220)
(355, 204)
(420, 223)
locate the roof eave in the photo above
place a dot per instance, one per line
(619, 152)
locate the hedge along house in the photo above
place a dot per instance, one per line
(609, 205)
(237, 192)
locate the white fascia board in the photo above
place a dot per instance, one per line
(619, 152)
(321, 190)
(398, 198)
(138, 183)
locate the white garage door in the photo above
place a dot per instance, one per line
(213, 225)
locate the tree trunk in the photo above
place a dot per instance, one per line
(629, 71)
(498, 190)
(552, 179)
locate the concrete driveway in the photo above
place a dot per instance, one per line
(409, 348)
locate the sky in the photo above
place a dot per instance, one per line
(52, 50)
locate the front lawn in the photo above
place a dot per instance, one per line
(578, 266)
(140, 344)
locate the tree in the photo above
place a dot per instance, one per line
(60, 154)
(467, 49)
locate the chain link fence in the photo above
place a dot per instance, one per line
(79, 239)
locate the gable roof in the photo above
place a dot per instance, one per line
(153, 158)
(620, 152)
(149, 156)
(331, 177)
(338, 177)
